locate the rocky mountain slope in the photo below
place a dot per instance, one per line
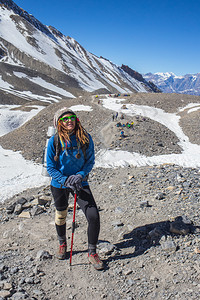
(38, 62)
(139, 77)
(170, 83)
(150, 225)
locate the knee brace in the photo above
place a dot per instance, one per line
(60, 217)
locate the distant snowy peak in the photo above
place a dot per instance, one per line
(44, 58)
(165, 75)
(170, 83)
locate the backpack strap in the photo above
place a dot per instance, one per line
(57, 146)
(84, 148)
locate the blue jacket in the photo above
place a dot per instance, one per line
(68, 164)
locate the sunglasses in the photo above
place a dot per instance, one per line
(68, 118)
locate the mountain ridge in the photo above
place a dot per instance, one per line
(170, 83)
(60, 60)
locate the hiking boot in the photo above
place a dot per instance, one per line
(62, 252)
(95, 261)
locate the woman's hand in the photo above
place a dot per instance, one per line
(74, 182)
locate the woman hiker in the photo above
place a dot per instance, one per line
(70, 158)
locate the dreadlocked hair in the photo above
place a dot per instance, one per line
(81, 134)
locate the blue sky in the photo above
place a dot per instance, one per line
(148, 36)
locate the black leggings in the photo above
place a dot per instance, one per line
(87, 203)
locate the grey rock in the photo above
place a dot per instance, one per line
(19, 296)
(10, 209)
(37, 210)
(18, 209)
(4, 294)
(3, 267)
(2, 276)
(127, 272)
(36, 270)
(14, 270)
(37, 280)
(119, 210)
(106, 248)
(169, 246)
(22, 280)
(1, 284)
(131, 282)
(160, 196)
(21, 201)
(29, 258)
(117, 223)
(37, 292)
(7, 286)
(44, 200)
(144, 204)
(29, 280)
(43, 254)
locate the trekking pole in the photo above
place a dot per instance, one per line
(73, 228)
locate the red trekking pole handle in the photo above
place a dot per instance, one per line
(73, 227)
